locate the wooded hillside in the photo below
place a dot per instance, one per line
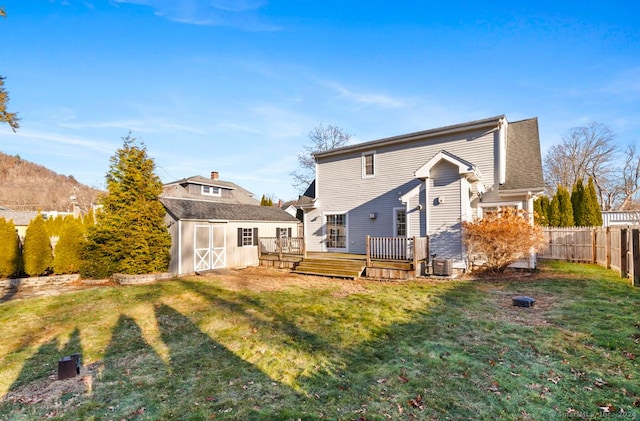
(25, 185)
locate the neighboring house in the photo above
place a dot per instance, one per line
(20, 219)
(611, 218)
(422, 184)
(216, 224)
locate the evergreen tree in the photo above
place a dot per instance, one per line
(578, 203)
(592, 215)
(37, 252)
(130, 235)
(554, 212)
(263, 201)
(564, 207)
(541, 207)
(66, 258)
(10, 255)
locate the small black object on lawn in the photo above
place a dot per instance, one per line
(68, 366)
(521, 301)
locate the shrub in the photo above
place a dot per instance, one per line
(37, 253)
(10, 255)
(501, 238)
(66, 258)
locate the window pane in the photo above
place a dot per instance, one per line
(401, 223)
(368, 164)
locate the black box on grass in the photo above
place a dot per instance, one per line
(68, 366)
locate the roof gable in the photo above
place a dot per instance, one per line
(465, 168)
(523, 159)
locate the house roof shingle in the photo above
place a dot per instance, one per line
(202, 209)
(524, 163)
(18, 217)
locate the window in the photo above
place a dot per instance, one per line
(368, 164)
(336, 231)
(247, 237)
(283, 232)
(210, 191)
(487, 208)
(401, 222)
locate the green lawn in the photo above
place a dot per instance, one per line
(288, 347)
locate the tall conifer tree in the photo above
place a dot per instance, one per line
(578, 203)
(37, 251)
(130, 235)
(10, 255)
(592, 216)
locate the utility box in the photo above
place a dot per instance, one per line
(68, 366)
(442, 267)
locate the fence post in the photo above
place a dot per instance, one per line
(607, 247)
(368, 251)
(624, 252)
(594, 246)
(635, 280)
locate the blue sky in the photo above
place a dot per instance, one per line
(235, 86)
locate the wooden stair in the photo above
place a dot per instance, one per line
(331, 267)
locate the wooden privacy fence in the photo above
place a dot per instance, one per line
(615, 247)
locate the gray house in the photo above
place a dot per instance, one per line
(216, 224)
(423, 184)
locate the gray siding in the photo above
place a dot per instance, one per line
(444, 212)
(341, 187)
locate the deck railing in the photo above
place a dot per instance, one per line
(282, 245)
(397, 248)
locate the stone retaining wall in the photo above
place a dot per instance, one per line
(123, 279)
(7, 285)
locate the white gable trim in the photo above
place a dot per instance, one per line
(465, 169)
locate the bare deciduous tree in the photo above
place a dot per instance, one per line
(628, 181)
(588, 151)
(5, 116)
(321, 138)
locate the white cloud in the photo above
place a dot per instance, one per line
(241, 14)
(380, 100)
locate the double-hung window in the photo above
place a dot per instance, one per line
(210, 191)
(368, 164)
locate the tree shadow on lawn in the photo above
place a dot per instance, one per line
(201, 380)
(276, 321)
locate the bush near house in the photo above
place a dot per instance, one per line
(501, 238)
(37, 252)
(10, 254)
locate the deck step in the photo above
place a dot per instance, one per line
(335, 268)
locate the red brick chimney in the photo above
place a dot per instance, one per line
(214, 175)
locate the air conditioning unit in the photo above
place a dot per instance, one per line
(442, 267)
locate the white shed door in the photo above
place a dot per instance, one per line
(209, 247)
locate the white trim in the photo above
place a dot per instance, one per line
(394, 218)
(179, 247)
(498, 205)
(502, 150)
(346, 231)
(364, 167)
(217, 193)
(465, 168)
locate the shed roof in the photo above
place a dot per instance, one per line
(205, 210)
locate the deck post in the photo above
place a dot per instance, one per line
(415, 255)
(368, 252)
(304, 247)
(279, 247)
